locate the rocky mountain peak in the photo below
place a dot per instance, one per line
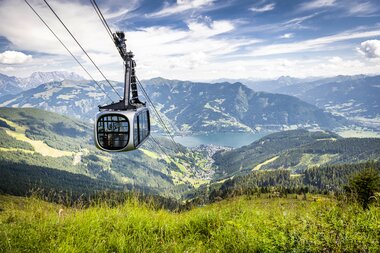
(38, 78)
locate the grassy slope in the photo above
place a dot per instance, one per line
(36, 137)
(235, 225)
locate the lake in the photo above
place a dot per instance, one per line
(234, 140)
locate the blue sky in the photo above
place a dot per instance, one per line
(198, 39)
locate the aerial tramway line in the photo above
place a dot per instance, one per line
(125, 125)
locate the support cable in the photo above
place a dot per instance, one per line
(68, 50)
(101, 17)
(158, 145)
(104, 21)
(67, 29)
(158, 115)
(154, 141)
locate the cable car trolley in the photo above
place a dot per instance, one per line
(125, 125)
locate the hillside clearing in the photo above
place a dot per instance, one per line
(39, 146)
(258, 167)
(16, 150)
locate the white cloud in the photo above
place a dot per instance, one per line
(181, 6)
(29, 33)
(317, 4)
(7, 69)
(265, 8)
(358, 9)
(14, 57)
(160, 50)
(297, 22)
(340, 66)
(292, 24)
(157, 49)
(335, 60)
(213, 28)
(312, 44)
(287, 36)
(253, 68)
(204, 50)
(348, 7)
(370, 48)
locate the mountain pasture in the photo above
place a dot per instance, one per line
(244, 224)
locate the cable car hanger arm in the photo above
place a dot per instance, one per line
(130, 85)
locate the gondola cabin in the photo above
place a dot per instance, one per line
(125, 125)
(122, 130)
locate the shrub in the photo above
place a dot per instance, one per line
(363, 186)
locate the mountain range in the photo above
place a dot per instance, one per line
(189, 107)
(205, 107)
(38, 78)
(350, 98)
(9, 85)
(354, 97)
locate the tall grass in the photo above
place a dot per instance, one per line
(237, 225)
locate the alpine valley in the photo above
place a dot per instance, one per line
(46, 136)
(197, 126)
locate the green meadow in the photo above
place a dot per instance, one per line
(240, 224)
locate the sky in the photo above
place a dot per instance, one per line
(197, 40)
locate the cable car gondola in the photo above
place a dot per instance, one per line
(125, 125)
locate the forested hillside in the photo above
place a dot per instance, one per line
(37, 141)
(327, 179)
(296, 150)
(40, 144)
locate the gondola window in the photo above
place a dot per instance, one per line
(113, 132)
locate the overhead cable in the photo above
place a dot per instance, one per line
(68, 30)
(158, 144)
(157, 113)
(102, 19)
(68, 50)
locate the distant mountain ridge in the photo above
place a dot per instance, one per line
(272, 85)
(291, 85)
(38, 78)
(348, 96)
(74, 98)
(303, 85)
(10, 85)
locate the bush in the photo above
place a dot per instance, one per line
(363, 186)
